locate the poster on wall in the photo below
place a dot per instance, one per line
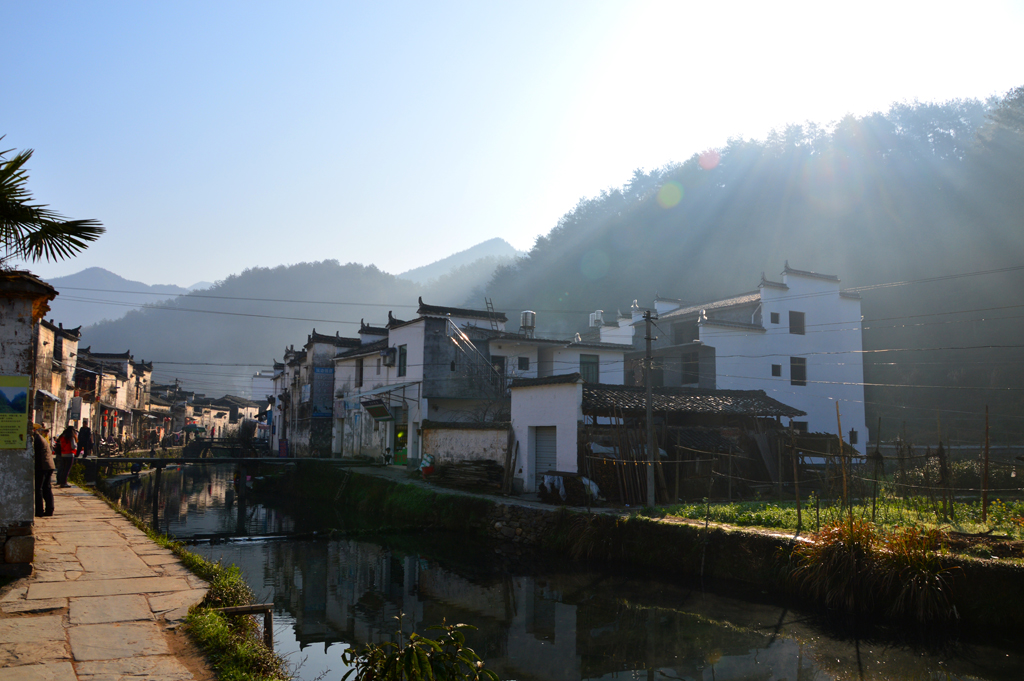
(13, 411)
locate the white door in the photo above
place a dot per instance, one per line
(546, 449)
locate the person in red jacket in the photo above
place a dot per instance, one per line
(67, 446)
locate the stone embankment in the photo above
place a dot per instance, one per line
(103, 601)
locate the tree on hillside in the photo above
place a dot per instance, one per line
(33, 231)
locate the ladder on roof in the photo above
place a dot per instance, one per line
(490, 314)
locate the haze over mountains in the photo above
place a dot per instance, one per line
(919, 192)
(95, 294)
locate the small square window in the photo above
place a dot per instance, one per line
(798, 426)
(796, 323)
(776, 370)
(524, 364)
(853, 436)
(774, 317)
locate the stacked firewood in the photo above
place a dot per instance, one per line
(475, 474)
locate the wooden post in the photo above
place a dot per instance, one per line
(268, 618)
(156, 498)
(779, 469)
(679, 464)
(730, 472)
(796, 480)
(842, 464)
(984, 477)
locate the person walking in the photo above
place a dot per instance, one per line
(85, 439)
(44, 470)
(67, 445)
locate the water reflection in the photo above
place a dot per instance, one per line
(536, 619)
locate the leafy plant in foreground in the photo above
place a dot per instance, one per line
(446, 659)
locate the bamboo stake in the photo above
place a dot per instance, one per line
(842, 463)
(796, 480)
(984, 478)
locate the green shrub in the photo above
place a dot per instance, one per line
(446, 659)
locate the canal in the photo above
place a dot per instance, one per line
(535, 618)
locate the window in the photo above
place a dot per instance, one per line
(378, 366)
(798, 371)
(498, 362)
(796, 322)
(776, 370)
(799, 426)
(589, 368)
(853, 436)
(359, 372)
(691, 368)
(774, 317)
(403, 359)
(524, 363)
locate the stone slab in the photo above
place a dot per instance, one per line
(107, 609)
(107, 587)
(112, 562)
(31, 629)
(13, 654)
(41, 605)
(114, 641)
(89, 538)
(152, 668)
(19, 549)
(14, 594)
(172, 601)
(53, 671)
(161, 558)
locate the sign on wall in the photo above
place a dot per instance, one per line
(13, 412)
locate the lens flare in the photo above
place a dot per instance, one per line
(594, 264)
(709, 159)
(670, 194)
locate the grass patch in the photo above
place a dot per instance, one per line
(1004, 517)
(855, 567)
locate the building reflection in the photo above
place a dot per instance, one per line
(528, 628)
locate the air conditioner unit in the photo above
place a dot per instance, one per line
(597, 318)
(388, 357)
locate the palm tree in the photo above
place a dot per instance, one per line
(32, 231)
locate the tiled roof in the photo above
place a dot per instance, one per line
(394, 321)
(804, 273)
(337, 341)
(609, 399)
(106, 355)
(491, 334)
(772, 284)
(441, 311)
(549, 380)
(71, 334)
(751, 298)
(363, 350)
(372, 330)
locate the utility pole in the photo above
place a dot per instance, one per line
(651, 445)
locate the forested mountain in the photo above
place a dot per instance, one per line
(95, 294)
(919, 192)
(915, 194)
(469, 261)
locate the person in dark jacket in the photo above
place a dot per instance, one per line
(44, 471)
(85, 439)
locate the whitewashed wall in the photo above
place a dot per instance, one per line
(559, 405)
(453, 445)
(831, 344)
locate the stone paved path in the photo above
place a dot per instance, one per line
(99, 602)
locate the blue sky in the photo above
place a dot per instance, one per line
(211, 137)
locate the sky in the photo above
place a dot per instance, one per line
(213, 137)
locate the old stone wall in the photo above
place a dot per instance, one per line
(454, 445)
(520, 524)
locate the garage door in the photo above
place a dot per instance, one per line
(546, 452)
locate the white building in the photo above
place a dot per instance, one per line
(798, 339)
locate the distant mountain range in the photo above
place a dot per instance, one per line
(95, 294)
(499, 250)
